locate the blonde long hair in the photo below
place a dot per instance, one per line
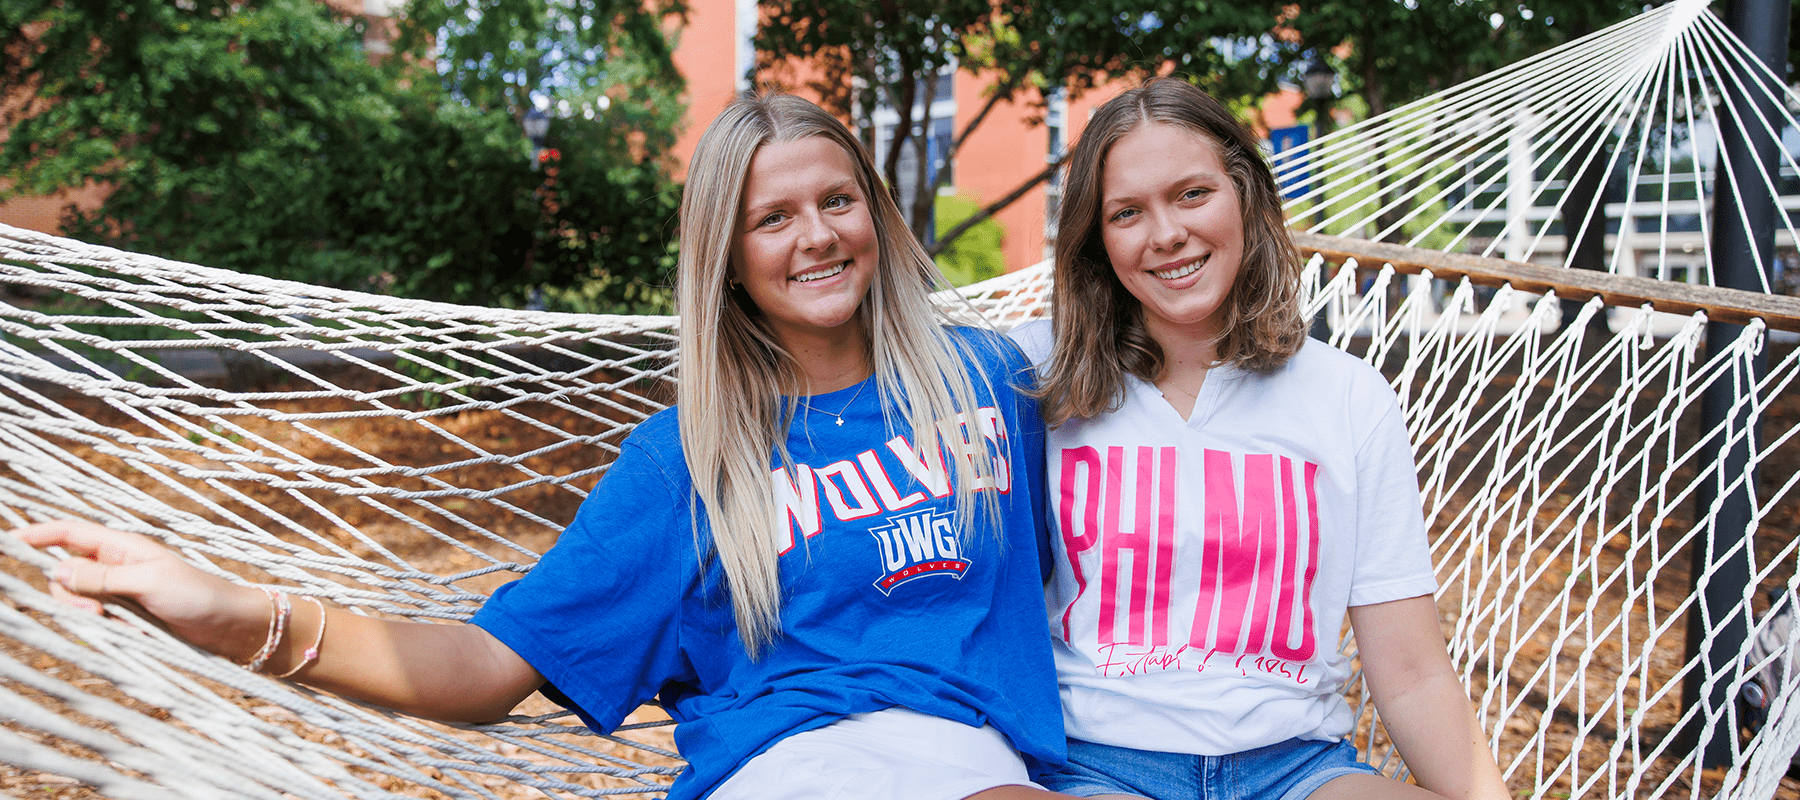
(1100, 333)
(734, 371)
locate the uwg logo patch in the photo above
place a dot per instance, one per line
(914, 546)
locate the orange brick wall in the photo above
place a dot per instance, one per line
(995, 159)
(39, 213)
(706, 55)
(45, 213)
(1278, 111)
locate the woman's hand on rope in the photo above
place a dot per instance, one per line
(449, 672)
(105, 564)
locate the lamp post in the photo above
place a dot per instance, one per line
(536, 125)
(1319, 81)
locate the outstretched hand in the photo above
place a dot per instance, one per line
(459, 673)
(106, 564)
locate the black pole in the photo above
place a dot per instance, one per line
(1584, 222)
(1743, 248)
(1321, 322)
(1584, 213)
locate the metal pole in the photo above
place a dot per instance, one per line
(1321, 91)
(1738, 240)
(1584, 211)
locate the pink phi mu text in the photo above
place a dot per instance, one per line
(1253, 611)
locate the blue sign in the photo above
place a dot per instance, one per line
(1283, 146)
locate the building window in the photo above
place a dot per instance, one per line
(937, 143)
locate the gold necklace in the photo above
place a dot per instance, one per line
(1179, 388)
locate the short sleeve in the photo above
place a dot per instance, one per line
(1393, 556)
(599, 616)
(1035, 338)
(1028, 423)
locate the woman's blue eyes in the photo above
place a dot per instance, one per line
(1191, 194)
(834, 201)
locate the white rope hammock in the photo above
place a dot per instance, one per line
(1483, 167)
(405, 458)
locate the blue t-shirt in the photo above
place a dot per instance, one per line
(889, 598)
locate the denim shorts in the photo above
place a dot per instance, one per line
(1288, 770)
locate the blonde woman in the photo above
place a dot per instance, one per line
(824, 561)
(1226, 492)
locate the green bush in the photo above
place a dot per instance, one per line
(975, 256)
(257, 135)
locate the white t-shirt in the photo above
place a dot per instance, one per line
(1203, 566)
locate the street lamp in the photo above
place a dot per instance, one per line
(536, 125)
(1319, 79)
(1320, 83)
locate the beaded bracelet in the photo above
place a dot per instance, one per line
(312, 653)
(279, 612)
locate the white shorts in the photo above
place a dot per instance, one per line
(892, 754)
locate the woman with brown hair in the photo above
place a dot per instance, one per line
(1226, 492)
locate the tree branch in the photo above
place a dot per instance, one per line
(1000, 92)
(903, 106)
(919, 216)
(943, 176)
(994, 208)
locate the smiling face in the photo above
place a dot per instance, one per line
(805, 248)
(1172, 227)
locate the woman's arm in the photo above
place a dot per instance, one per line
(449, 672)
(1422, 702)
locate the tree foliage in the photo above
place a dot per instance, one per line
(1793, 40)
(976, 255)
(1389, 52)
(870, 55)
(261, 135)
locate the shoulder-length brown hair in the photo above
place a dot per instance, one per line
(1100, 333)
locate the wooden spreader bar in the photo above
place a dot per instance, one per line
(1778, 312)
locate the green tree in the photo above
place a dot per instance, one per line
(260, 135)
(1391, 52)
(604, 69)
(887, 54)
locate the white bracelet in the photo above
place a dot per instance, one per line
(312, 653)
(279, 612)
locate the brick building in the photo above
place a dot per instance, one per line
(714, 54)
